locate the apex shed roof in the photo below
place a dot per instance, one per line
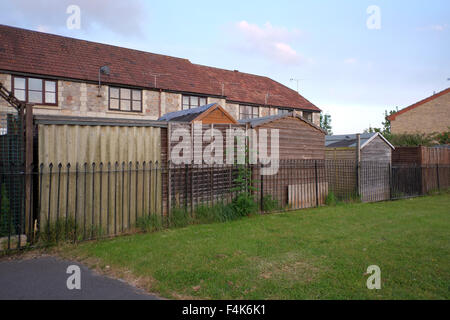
(256, 122)
(198, 113)
(350, 140)
(32, 52)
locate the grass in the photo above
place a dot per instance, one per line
(318, 253)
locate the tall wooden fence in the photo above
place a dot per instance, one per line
(83, 166)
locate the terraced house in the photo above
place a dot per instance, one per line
(66, 76)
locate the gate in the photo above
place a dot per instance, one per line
(14, 200)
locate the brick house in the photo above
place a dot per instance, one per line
(429, 115)
(66, 76)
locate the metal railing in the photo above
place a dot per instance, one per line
(75, 202)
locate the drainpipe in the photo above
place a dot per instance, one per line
(159, 103)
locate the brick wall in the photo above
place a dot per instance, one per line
(432, 116)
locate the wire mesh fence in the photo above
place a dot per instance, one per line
(75, 202)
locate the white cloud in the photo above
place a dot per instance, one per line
(269, 41)
(438, 27)
(435, 27)
(350, 61)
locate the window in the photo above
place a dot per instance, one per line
(122, 99)
(34, 90)
(190, 102)
(282, 111)
(307, 115)
(248, 112)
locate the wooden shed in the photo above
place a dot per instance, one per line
(369, 179)
(299, 138)
(301, 145)
(373, 147)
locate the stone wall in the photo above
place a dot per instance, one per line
(83, 99)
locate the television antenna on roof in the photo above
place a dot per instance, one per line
(155, 77)
(222, 83)
(296, 80)
(268, 95)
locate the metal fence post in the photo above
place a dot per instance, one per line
(262, 189)
(186, 177)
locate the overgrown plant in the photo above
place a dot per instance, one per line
(270, 204)
(5, 220)
(330, 199)
(149, 223)
(62, 230)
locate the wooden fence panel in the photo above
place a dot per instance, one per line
(111, 187)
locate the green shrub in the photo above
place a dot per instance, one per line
(149, 223)
(270, 204)
(244, 204)
(331, 199)
(179, 217)
(5, 219)
(207, 214)
(60, 231)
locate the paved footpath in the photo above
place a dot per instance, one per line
(46, 278)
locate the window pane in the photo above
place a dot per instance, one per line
(125, 94)
(255, 112)
(19, 83)
(186, 100)
(35, 84)
(50, 97)
(114, 104)
(50, 86)
(136, 106)
(125, 105)
(20, 94)
(194, 101)
(185, 106)
(202, 101)
(114, 93)
(137, 95)
(35, 96)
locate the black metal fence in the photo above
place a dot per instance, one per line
(89, 201)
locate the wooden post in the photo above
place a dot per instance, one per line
(169, 196)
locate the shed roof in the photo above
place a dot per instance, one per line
(185, 115)
(350, 140)
(256, 122)
(193, 114)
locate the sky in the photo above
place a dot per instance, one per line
(353, 58)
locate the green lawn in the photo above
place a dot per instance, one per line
(310, 254)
